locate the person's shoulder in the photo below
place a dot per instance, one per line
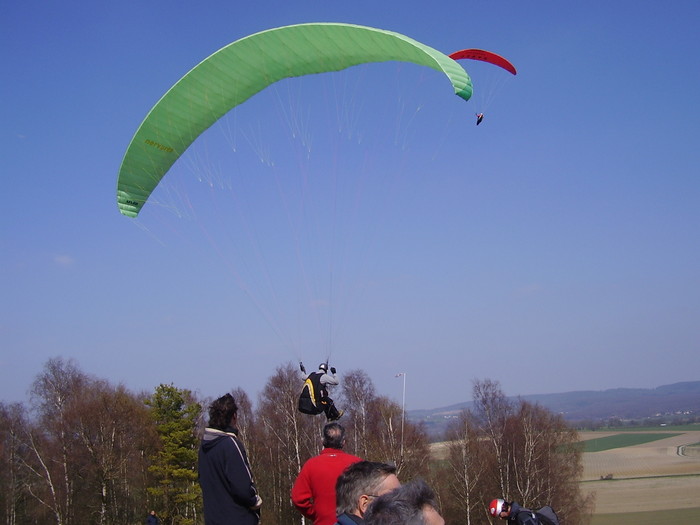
(347, 458)
(332, 455)
(349, 519)
(227, 440)
(317, 458)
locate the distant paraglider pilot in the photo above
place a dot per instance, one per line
(152, 519)
(314, 397)
(517, 515)
(479, 118)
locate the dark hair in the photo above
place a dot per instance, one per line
(333, 435)
(402, 506)
(359, 478)
(221, 411)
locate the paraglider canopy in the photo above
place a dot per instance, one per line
(484, 56)
(238, 71)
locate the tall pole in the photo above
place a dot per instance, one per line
(403, 408)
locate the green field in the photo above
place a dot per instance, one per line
(621, 440)
(656, 428)
(667, 517)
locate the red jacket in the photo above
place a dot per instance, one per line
(313, 493)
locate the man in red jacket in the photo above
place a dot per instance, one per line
(313, 493)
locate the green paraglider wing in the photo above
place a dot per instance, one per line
(240, 70)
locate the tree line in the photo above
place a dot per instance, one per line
(83, 450)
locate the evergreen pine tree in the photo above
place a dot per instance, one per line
(174, 467)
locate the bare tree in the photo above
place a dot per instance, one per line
(466, 468)
(359, 398)
(546, 463)
(51, 442)
(492, 410)
(12, 478)
(529, 454)
(374, 424)
(286, 438)
(84, 455)
(385, 440)
(114, 428)
(245, 416)
(88, 450)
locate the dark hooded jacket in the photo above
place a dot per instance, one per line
(522, 516)
(349, 519)
(226, 480)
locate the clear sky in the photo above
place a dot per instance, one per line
(553, 248)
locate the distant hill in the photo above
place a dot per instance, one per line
(587, 405)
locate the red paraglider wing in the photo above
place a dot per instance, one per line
(484, 56)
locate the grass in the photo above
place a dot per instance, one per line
(667, 517)
(621, 440)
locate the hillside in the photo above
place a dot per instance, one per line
(624, 403)
(592, 405)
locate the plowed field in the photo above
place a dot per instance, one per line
(645, 477)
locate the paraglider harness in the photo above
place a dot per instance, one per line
(543, 516)
(312, 395)
(547, 516)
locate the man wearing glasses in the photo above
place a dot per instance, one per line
(358, 485)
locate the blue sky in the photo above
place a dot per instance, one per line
(553, 248)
